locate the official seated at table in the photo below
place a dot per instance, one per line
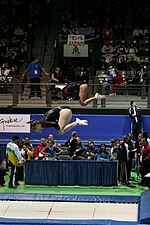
(102, 154)
(38, 154)
(51, 152)
(90, 151)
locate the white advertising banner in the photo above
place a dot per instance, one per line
(75, 40)
(14, 123)
(75, 51)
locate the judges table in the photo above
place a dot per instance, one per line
(71, 172)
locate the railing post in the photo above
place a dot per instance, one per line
(48, 95)
(95, 90)
(148, 98)
(103, 101)
(15, 92)
(143, 89)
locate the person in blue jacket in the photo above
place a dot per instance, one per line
(34, 69)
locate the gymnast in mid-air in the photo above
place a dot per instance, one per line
(80, 91)
(59, 118)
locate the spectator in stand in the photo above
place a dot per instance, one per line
(107, 32)
(147, 32)
(57, 76)
(90, 150)
(141, 75)
(102, 154)
(132, 78)
(14, 73)
(3, 48)
(39, 151)
(3, 76)
(84, 74)
(138, 33)
(118, 33)
(31, 34)
(4, 81)
(121, 60)
(132, 51)
(115, 78)
(107, 47)
(119, 48)
(19, 32)
(35, 69)
(102, 64)
(108, 57)
(63, 33)
(132, 64)
(22, 58)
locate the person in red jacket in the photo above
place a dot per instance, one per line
(145, 160)
(39, 151)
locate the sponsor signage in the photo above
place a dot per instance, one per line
(76, 40)
(14, 123)
(75, 51)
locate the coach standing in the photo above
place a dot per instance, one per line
(136, 119)
(14, 157)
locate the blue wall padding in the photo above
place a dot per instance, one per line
(7, 221)
(144, 209)
(100, 128)
(70, 198)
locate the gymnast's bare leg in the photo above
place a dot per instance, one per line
(64, 121)
(83, 95)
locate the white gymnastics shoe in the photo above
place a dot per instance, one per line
(98, 96)
(82, 122)
(147, 175)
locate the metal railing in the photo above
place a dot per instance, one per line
(122, 95)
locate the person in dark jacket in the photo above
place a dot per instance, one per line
(136, 119)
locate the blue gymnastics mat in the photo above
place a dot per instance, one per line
(6, 221)
(144, 208)
(70, 198)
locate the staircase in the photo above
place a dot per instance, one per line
(55, 25)
(47, 32)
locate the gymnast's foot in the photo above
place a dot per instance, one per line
(98, 96)
(82, 122)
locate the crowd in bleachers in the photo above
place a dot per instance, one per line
(18, 24)
(126, 48)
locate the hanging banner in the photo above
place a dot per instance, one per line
(75, 51)
(76, 40)
(14, 123)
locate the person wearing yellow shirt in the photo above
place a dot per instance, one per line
(14, 157)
